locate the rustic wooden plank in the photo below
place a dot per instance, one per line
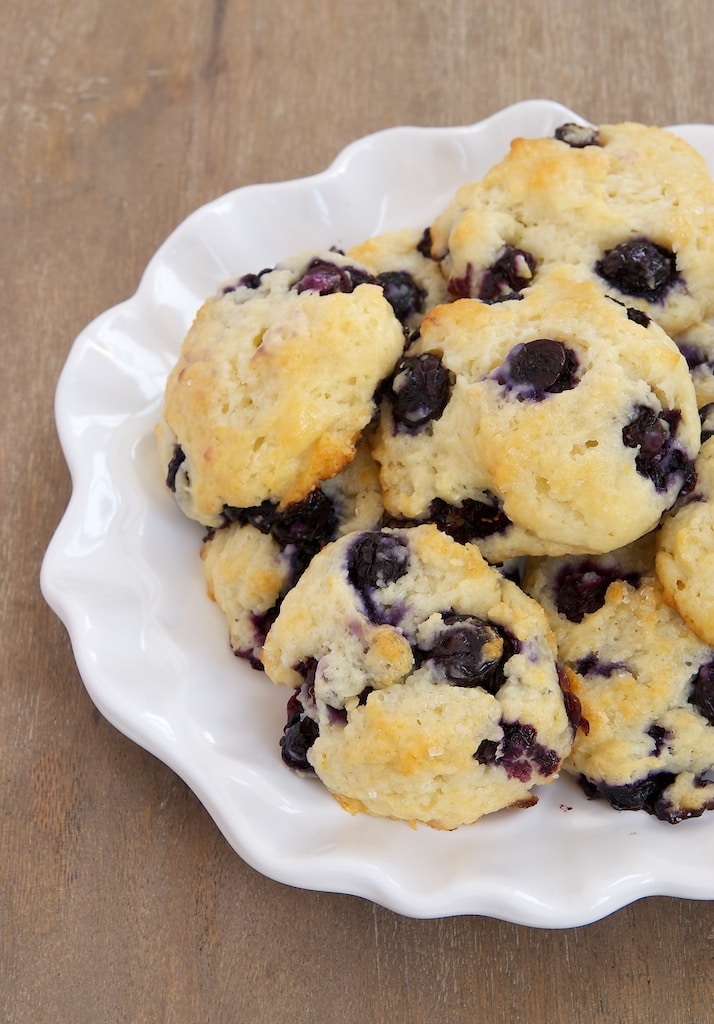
(119, 899)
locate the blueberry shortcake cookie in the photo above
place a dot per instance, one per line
(644, 680)
(557, 424)
(632, 205)
(251, 563)
(411, 279)
(425, 686)
(685, 551)
(275, 384)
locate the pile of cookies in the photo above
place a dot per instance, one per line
(458, 487)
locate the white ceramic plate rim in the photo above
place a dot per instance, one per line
(122, 573)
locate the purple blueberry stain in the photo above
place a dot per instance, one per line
(336, 716)
(577, 136)
(580, 587)
(640, 268)
(538, 368)
(419, 391)
(659, 457)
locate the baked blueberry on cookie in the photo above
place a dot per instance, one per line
(412, 281)
(251, 563)
(425, 686)
(685, 551)
(632, 205)
(275, 384)
(556, 424)
(645, 682)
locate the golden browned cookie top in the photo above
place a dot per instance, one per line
(275, 384)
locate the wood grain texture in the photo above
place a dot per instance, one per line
(119, 899)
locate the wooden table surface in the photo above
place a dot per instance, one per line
(120, 900)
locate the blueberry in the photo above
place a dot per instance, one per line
(469, 521)
(694, 355)
(580, 587)
(177, 459)
(336, 716)
(300, 529)
(667, 811)
(702, 695)
(539, 368)
(424, 244)
(311, 522)
(573, 707)
(578, 136)
(638, 316)
(261, 622)
(518, 752)
(471, 652)
(306, 524)
(511, 272)
(402, 293)
(640, 795)
(659, 459)
(261, 517)
(706, 415)
(639, 267)
(462, 287)
(648, 431)
(487, 752)
(327, 278)
(420, 390)
(591, 665)
(299, 734)
(658, 734)
(252, 281)
(376, 560)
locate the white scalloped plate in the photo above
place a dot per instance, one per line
(123, 574)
